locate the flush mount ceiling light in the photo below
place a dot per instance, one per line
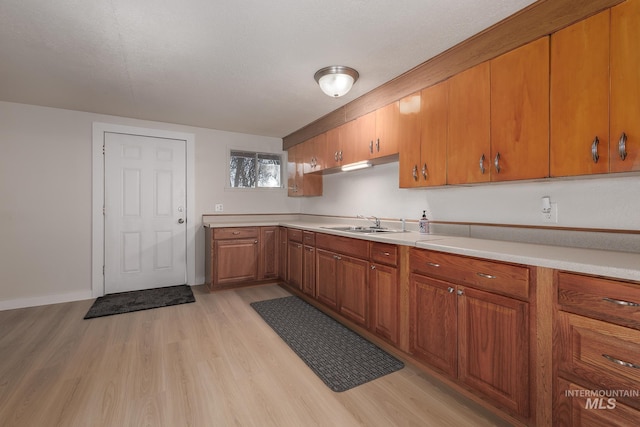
(336, 80)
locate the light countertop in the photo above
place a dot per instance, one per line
(621, 265)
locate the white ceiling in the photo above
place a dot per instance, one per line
(237, 65)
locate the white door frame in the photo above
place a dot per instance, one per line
(97, 236)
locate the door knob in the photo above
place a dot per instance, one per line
(181, 221)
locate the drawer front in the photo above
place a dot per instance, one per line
(309, 238)
(577, 407)
(235, 233)
(295, 235)
(599, 355)
(384, 253)
(506, 279)
(343, 245)
(605, 299)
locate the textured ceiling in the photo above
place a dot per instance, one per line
(237, 65)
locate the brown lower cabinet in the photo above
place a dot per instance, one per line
(478, 338)
(237, 256)
(597, 350)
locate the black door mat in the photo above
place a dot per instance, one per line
(126, 302)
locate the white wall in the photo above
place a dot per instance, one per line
(611, 202)
(45, 197)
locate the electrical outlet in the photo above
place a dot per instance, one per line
(552, 215)
(219, 207)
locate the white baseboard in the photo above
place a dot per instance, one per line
(44, 300)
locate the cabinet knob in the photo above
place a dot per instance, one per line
(496, 162)
(255, 241)
(450, 289)
(373, 267)
(424, 171)
(482, 164)
(414, 172)
(460, 292)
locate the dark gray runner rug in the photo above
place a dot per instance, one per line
(340, 357)
(126, 302)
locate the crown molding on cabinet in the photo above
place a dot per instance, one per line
(542, 18)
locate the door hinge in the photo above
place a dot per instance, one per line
(103, 270)
(103, 149)
(103, 210)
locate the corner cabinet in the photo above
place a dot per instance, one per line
(239, 256)
(469, 318)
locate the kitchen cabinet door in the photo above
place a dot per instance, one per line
(383, 303)
(434, 323)
(493, 352)
(282, 253)
(236, 260)
(332, 152)
(326, 278)
(294, 264)
(268, 265)
(388, 130)
(580, 98)
(625, 87)
(468, 143)
(353, 295)
(520, 113)
(309, 271)
(313, 153)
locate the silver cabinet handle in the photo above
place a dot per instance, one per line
(298, 246)
(337, 257)
(373, 267)
(424, 171)
(340, 155)
(371, 146)
(386, 254)
(309, 249)
(450, 289)
(496, 162)
(594, 150)
(621, 302)
(486, 276)
(621, 362)
(415, 172)
(622, 146)
(235, 233)
(460, 292)
(255, 242)
(433, 264)
(335, 156)
(482, 164)
(378, 144)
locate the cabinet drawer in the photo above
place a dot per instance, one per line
(343, 245)
(384, 253)
(235, 233)
(309, 238)
(605, 299)
(295, 234)
(577, 407)
(599, 355)
(498, 277)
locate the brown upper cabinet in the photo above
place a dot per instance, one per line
(469, 143)
(299, 184)
(313, 153)
(423, 162)
(625, 87)
(580, 97)
(520, 113)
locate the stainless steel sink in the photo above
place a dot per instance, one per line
(363, 230)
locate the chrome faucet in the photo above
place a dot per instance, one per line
(373, 219)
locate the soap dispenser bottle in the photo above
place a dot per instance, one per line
(423, 224)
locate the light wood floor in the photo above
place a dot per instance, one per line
(211, 363)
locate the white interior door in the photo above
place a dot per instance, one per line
(145, 212)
